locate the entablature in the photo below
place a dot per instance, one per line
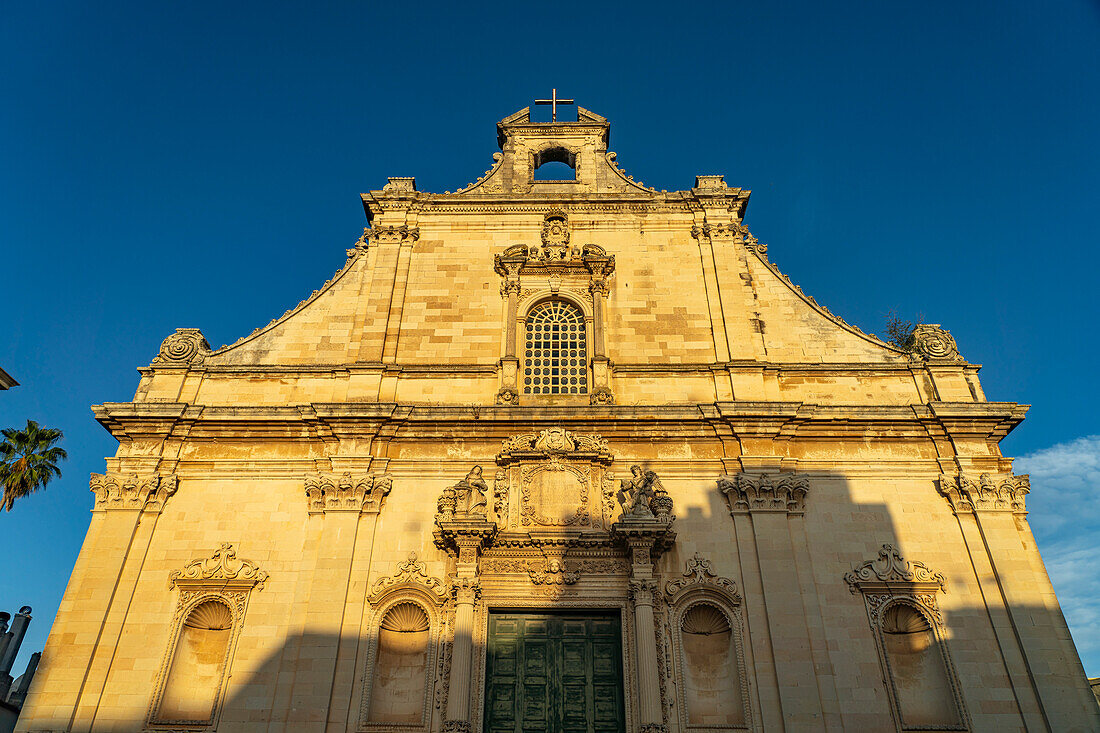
(986, 421)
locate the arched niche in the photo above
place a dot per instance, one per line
(404, 632)
(706, 627)
(918, 666)
(711, 675)
(197, 664)
(399, 675)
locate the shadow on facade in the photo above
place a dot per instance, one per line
(844, 615)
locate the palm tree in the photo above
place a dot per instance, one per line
(28, 460)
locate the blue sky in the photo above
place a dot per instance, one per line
(168, 165)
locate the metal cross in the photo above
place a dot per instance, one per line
(554, 102)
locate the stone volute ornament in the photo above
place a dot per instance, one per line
(223, 569)
(932, 343)
(889, 569)
(699, 573)
(185, 346)
(411, 574)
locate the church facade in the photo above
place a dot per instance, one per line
(563, 456)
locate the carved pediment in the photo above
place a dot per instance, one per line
(699, 574)
(890, 570)
(223, 569)
(410, 575)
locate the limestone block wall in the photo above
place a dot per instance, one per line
(298, 660)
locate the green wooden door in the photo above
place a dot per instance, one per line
(554, 673)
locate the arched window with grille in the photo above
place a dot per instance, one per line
(556, 350)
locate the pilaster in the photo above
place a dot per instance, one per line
(324, 672)
(1045, 676)
(770, 501)
(127, 507)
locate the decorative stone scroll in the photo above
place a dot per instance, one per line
(222, 570)
(142, 492)
(186, 346)
(765, 492)
(929, 342)
(553, 441)
(346, 493)
(410, 575)
(989, 493)
(699, 574)
(735, 232)
(890, 571)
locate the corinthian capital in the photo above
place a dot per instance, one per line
(346, 493)
(987, 493)
(765, 492)
(147, 492)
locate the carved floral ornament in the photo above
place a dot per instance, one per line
(765, 492)
(554, 442)
(736, 232)
(699, 574)
(223, 569)
(410, 575)
(147, 492)
(389, 235)
(890, 571)
(989, 493)
(332, 493)
(185, 346)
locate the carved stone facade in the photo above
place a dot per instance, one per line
(687, 450)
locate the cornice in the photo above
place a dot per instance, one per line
(621, 368)
(331, 421)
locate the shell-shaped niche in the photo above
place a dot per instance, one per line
(705, 619)
(903, 619)
(211, 616)
(405, 617)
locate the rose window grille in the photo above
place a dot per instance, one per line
(556, 350)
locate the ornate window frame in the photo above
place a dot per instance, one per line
(562, 270)
(221, 578)
(700, 585)
(890, 580)
(409, 584)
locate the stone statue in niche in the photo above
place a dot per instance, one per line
(470, 493)
(637, 493)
